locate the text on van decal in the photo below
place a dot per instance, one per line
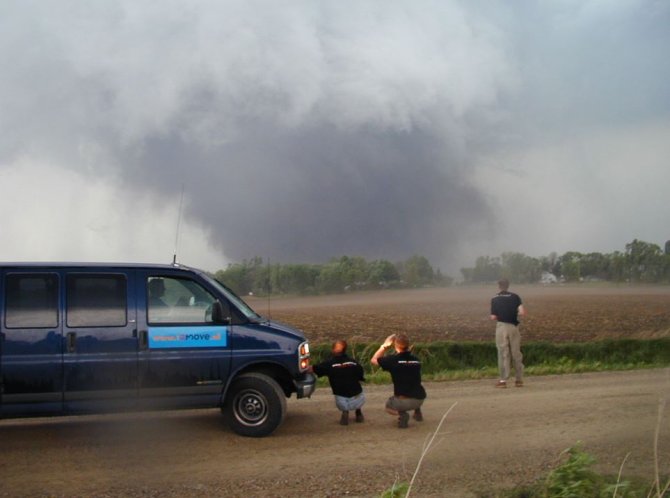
(188, 337)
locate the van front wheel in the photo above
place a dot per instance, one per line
(255, 405)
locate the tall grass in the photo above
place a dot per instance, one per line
(476, 360)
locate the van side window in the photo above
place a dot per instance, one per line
(96, 300)
(178, 300)
(31, 300)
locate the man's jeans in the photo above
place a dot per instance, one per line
(353, 403)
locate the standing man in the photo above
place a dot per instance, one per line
(345, 376)
(405, 369)
(506, 308)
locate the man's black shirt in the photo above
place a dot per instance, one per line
(344, 374)
(505, 305)
(405, 369)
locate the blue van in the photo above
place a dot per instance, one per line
(92, 338)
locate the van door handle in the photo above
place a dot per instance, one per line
(71, 342)
(144, 339)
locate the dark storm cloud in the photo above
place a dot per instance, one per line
(299, 132)
(314, 194)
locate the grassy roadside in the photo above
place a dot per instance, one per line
(478, 360)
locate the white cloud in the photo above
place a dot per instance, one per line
(53, 214)
(595, 191)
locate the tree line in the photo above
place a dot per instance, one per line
(641, 262)
(342, 274)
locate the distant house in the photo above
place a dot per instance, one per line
(548, 278)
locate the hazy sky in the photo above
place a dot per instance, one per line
(303, 130)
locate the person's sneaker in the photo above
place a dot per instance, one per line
(502, 384)
(344, 419)
(359, 416)
(403, 420)
(518, 383)
(418, 416)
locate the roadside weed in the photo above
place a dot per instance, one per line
(573, 478)
(398, 490)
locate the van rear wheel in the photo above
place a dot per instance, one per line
(255, 405)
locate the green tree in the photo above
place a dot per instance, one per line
(341, 274)
(235, 277)
(570, 265)
(618, 268)
(355, 271)
(645, 261)
(330, 278)
(416, 271)
(595, 265)
(382, 273)
(486, 269)
(249, 276)
(297, 279)
(550, 263)
(520, 268)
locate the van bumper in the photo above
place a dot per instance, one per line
(305, 385)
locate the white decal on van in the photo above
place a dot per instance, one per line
(188, 337)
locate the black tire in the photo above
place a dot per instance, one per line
(255, 405)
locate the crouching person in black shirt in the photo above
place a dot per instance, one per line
(405, 369)
(345, 376)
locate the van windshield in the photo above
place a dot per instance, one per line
(234, 299)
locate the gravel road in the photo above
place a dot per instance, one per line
(492, 438)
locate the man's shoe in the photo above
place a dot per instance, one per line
(502, 384)
(359, 416)
(403, 420)
(418, 416)
(518, 383)
(344, 419)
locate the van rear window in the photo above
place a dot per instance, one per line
(96, 300)
(31, 300)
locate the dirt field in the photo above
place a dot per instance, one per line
(555, 313)
(491, 439)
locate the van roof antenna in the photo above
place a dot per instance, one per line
(269, 289)
(176, 239)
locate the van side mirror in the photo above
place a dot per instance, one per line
(218, 315)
